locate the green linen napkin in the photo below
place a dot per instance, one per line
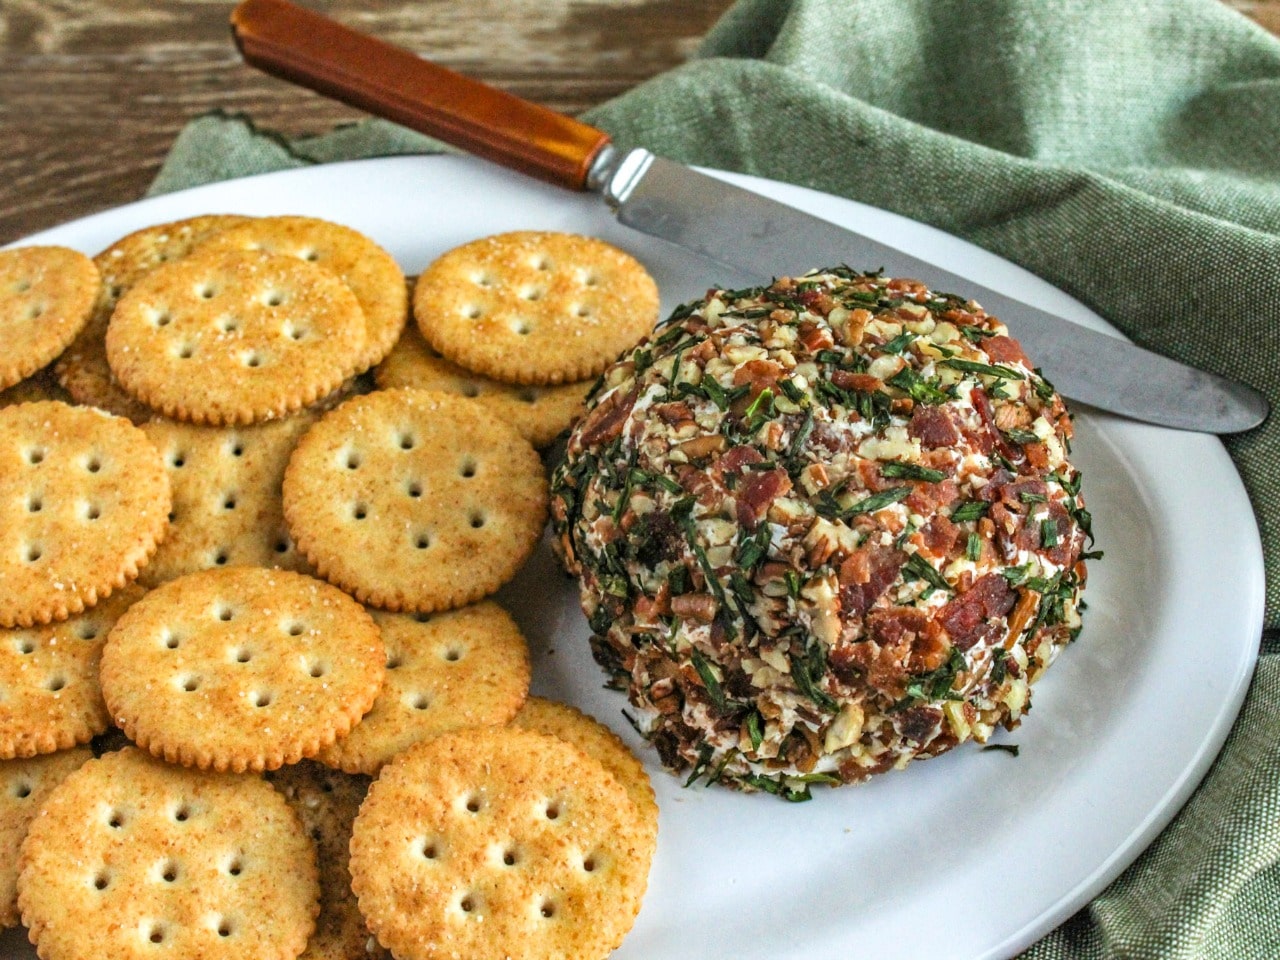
(1128, 151)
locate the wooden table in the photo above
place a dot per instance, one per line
(93, 92)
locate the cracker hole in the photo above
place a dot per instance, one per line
(473, 803)
(35, 311)
(115, 819)
(589, 864)
(207, 291)
(273, 298)
(422, 541)
(186, 351)
(548, 909)
(261, 698)
(282, 546)
(353, 460)
(101, 880)
(422, 618)
(467, 904)
(235, 867)
(467, 469)
(470, 390)
(33, 553)
(156, 934)
(182, 813)
(293, 332)
(317, 670)
(22, 286)
(591, 280)
(531, 293)
(360, 511)
(189, 684)
(526, 396)
(552, 811)
(540, 263)
(295, 629)
(35, 455)
(407, 441)
(173, 515)
(93, 464)
(477, 520)
(472, 312)
(414, 489)
(510, 857)
(171, 641)
(220, 558)
(311, 255)
(55, 683)
(161, 318)
(453, 654)
(581, 311)
(237, 449)
(429, 850)
(522, 327)
(178, 460)
(92, 511)
(25, 646)
(88, 631)
(34, 504)
(223, 613)
(228, 324)
(394, 662)
(242, 654)
(252, 360)
(22, 789)
(229, 503)
(420, 701)
(169, 871)
(116, 291)
(483, 280)
(225, 929)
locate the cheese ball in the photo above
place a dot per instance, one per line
(823, 528)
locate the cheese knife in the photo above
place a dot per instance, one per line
(718, 220)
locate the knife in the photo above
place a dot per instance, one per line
(719, 221)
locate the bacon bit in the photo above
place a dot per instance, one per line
(918, 643)
(738, 459)
(1005, 350)
(760, 374)
(990, 438)
(1028, 603)
(815, 338)
(862, 382)
(925, 498)
(604, 423)
(677, 412)
(906, 285)
(1037, 455)
(865, 575)
(695, 606)
(939, 536)
(756, 491)
(965, 617)
(704, 446)
(918, 722)
(1012, 415)
(933, 427)
(701, 484)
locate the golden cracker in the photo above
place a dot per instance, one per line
(46, 296)
(595, 740)
(49, 678)
(533, 307)
(129, 857)
(540, 414)
(240, 668)
(500, 842)
(415, 500)
(234, 337)
(24, 784)
(84, 501)
(83, 369)
(227, 508)
(327, 801)
(372, 274)
(445, 671)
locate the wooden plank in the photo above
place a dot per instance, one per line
(92, 92)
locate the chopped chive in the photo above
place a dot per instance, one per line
(1048, 533)
(910, 471)
(983, 369)
(973, 549)
(899, 343)
(969, 510)
(755, 729)
(921, 569)
(709, 679)
(878, 501)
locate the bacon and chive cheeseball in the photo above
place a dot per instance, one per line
(823, 528)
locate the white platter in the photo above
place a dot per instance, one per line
(971, 855)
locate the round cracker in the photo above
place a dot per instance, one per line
(84, 501)
(499, 842)
(534, 307)
(24, 784)
(327, 801)
(240, 668)
(83, 369)
(540, 413)
(234, 337)
(226, 509)
(595, 740)
(46, 296)
(445, 671)
(130, 857)
(49, 693)
(372, 274)
(415, 500)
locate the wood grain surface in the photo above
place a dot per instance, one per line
(92, 92)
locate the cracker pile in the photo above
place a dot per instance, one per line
(249, 520)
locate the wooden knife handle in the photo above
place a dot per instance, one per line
(288, 41)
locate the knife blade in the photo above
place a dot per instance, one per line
(717, 220)
(765, 238)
